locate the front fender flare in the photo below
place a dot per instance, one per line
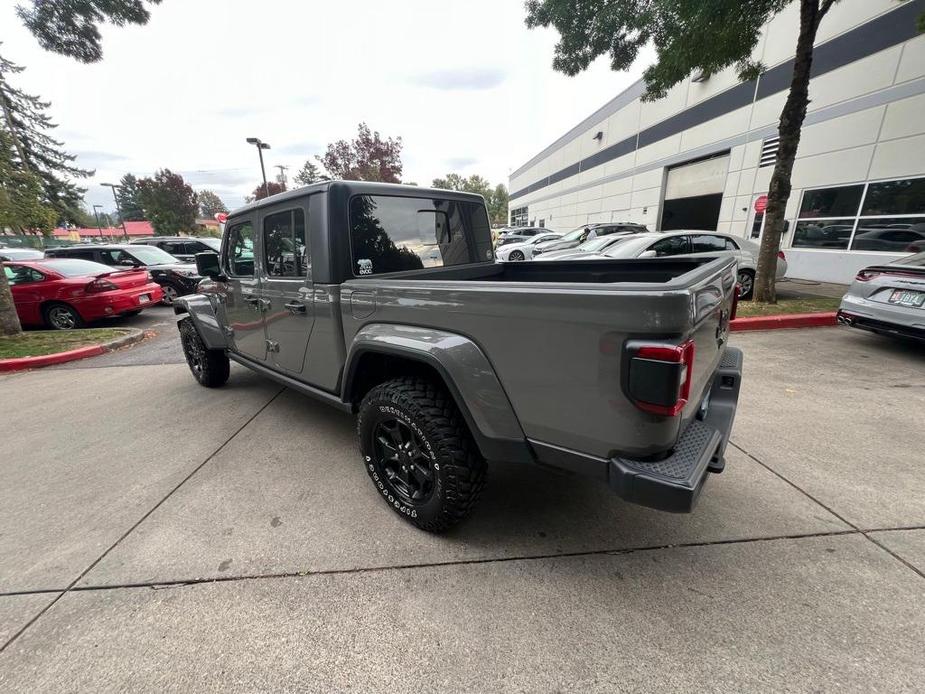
(200, 310)
(467, 373)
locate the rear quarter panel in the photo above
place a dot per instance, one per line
(557, 349)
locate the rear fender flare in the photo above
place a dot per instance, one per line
(466, 372)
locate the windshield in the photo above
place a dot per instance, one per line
(214, 244)
(574, 234)
(149, 255)
(596, 244)
(917, 260)
(73, 267)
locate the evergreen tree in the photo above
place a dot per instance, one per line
(210, 204)
(34, 150)
(129, 203)
(169, 202)
(308, 174)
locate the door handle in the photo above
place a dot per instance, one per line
(295, 307)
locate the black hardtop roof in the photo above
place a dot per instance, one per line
(360, 188)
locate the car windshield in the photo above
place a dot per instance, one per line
(149, 255)
(539, 238)
(918, 260)
(74, 267)
(214, 244)
(597, 244)
(574, 234)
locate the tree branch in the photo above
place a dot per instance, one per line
(825, 7)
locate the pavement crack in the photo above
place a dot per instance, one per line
(865, 533)
(141, 520)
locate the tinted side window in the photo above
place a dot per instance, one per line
(705, 243)
(284, 244)
(239, 251)
(831, 202)
(673, 245)
(895, 197)
(392, 234)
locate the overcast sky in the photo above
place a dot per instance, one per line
(464, 83)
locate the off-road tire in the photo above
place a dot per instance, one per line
(428, 410)
(210, 367)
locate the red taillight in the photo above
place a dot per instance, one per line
(867, 275)
(660, 377)
(780, 254)
(100, 285)
(735, 301)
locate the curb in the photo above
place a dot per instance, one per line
(22, 363)
(784, 321)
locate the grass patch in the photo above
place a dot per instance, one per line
(815, 304)
(36, 343)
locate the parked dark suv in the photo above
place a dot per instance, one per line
(175, 278)
(182, 248)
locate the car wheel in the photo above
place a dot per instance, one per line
(746, 284)
(419, 454)
(210, 367)
(516, 255)
(170, 294)
(62, 317)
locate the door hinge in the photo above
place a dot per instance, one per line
(272, 346)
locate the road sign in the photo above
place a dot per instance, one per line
(761, 204)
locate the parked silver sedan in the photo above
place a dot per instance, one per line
(888, 299)
(689, 242)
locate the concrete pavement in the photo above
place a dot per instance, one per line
(229, 539)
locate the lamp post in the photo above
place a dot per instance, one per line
(260, 145)
(96, 214)
(118, 209)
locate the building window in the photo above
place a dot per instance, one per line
(519, 217)
(882, 216)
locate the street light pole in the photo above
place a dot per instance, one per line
(97, 215)
(118, 209)
(260, 145)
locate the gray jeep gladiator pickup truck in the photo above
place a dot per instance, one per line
(384, 300)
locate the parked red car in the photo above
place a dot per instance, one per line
(65, 293)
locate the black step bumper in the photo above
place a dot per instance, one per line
(674, 483)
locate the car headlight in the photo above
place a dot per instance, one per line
(537, 251)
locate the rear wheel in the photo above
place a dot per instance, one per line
(419, 454)
(516, 255)
(210, 367)
(746, 283)
(62, 317)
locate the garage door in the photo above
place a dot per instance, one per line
(694, 193)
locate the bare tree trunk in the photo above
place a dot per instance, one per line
(791, 123)
(9, 321)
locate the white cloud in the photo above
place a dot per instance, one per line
(465, 85)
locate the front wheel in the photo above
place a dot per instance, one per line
(171, 293)
(516, 255)
(210, 367)
(419, 454)
(747, 284)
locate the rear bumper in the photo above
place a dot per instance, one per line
(878, 325)
(674, 483)
(118, 302)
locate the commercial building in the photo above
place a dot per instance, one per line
(702, 156)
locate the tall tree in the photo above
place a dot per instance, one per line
(367, 158)
(169, 203)
(496, 199)
(210, 204)
(129, 204)
(261, 191)
(24, 117)
(709, 36)
(308, 174)
(71, 27)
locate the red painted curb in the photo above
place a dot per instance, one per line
(20, 363)
(788, 320)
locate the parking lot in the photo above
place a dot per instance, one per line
(155, 534)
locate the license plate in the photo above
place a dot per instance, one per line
(144, 298)
(907, 297)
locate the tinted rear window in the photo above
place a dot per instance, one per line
(392, 234)
(72, 267)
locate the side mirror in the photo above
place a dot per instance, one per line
(648, 254)
(207, 265)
